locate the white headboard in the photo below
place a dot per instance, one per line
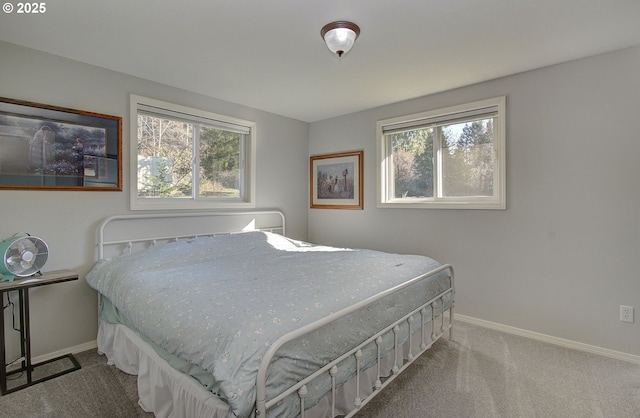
(127, 233)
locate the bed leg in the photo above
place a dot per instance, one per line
(451, 322)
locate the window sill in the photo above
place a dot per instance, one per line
(158, 204)
(430, 204)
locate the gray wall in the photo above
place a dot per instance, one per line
(559, 261)
(64, 315)
(566, 253)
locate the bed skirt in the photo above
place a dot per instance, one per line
(168, 393)
(161, 389)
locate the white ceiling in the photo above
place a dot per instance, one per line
(268, 54)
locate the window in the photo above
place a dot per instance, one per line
(451, 158)
(185, 158)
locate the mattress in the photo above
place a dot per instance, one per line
(214, 305)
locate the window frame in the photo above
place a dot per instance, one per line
(457, 113)
(170, 110)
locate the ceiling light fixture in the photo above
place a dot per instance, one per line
(340, 36)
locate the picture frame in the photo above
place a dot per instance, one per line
(336, 181)
(46, 147)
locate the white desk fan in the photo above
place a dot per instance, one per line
(22, 255)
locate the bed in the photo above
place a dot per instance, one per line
(221, 315)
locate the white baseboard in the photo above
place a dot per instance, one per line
(549, 339)
(618, 355)
(91, 345)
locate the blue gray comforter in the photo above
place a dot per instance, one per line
(218, 303)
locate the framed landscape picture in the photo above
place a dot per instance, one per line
(50, 147)
(336, 181)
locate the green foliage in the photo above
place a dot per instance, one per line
(158, 185)
(219, 156)
(413, 163)
(170, 140)
(468, 164)
(467, 160)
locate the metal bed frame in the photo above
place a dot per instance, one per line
(402, 354)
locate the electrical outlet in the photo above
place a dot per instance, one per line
(626, 313)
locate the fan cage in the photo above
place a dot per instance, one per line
(25, 256)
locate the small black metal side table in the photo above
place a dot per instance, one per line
(22, 286)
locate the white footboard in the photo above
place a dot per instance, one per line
(431, 311)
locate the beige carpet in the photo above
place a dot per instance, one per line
(96, 390)
(482, 373)
(486, 373)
